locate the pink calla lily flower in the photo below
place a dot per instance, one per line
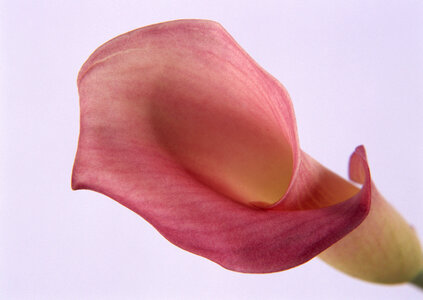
(181, 126)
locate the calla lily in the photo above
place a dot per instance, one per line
(181, 126)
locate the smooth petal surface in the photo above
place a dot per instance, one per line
(181, 126)
(383, 249)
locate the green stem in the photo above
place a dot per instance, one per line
(418, 280)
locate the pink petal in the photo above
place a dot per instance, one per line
(181, 126)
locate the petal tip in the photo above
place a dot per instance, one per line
(358, 167)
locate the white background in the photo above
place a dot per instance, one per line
(354, 71)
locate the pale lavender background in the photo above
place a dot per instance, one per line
(354, 71)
